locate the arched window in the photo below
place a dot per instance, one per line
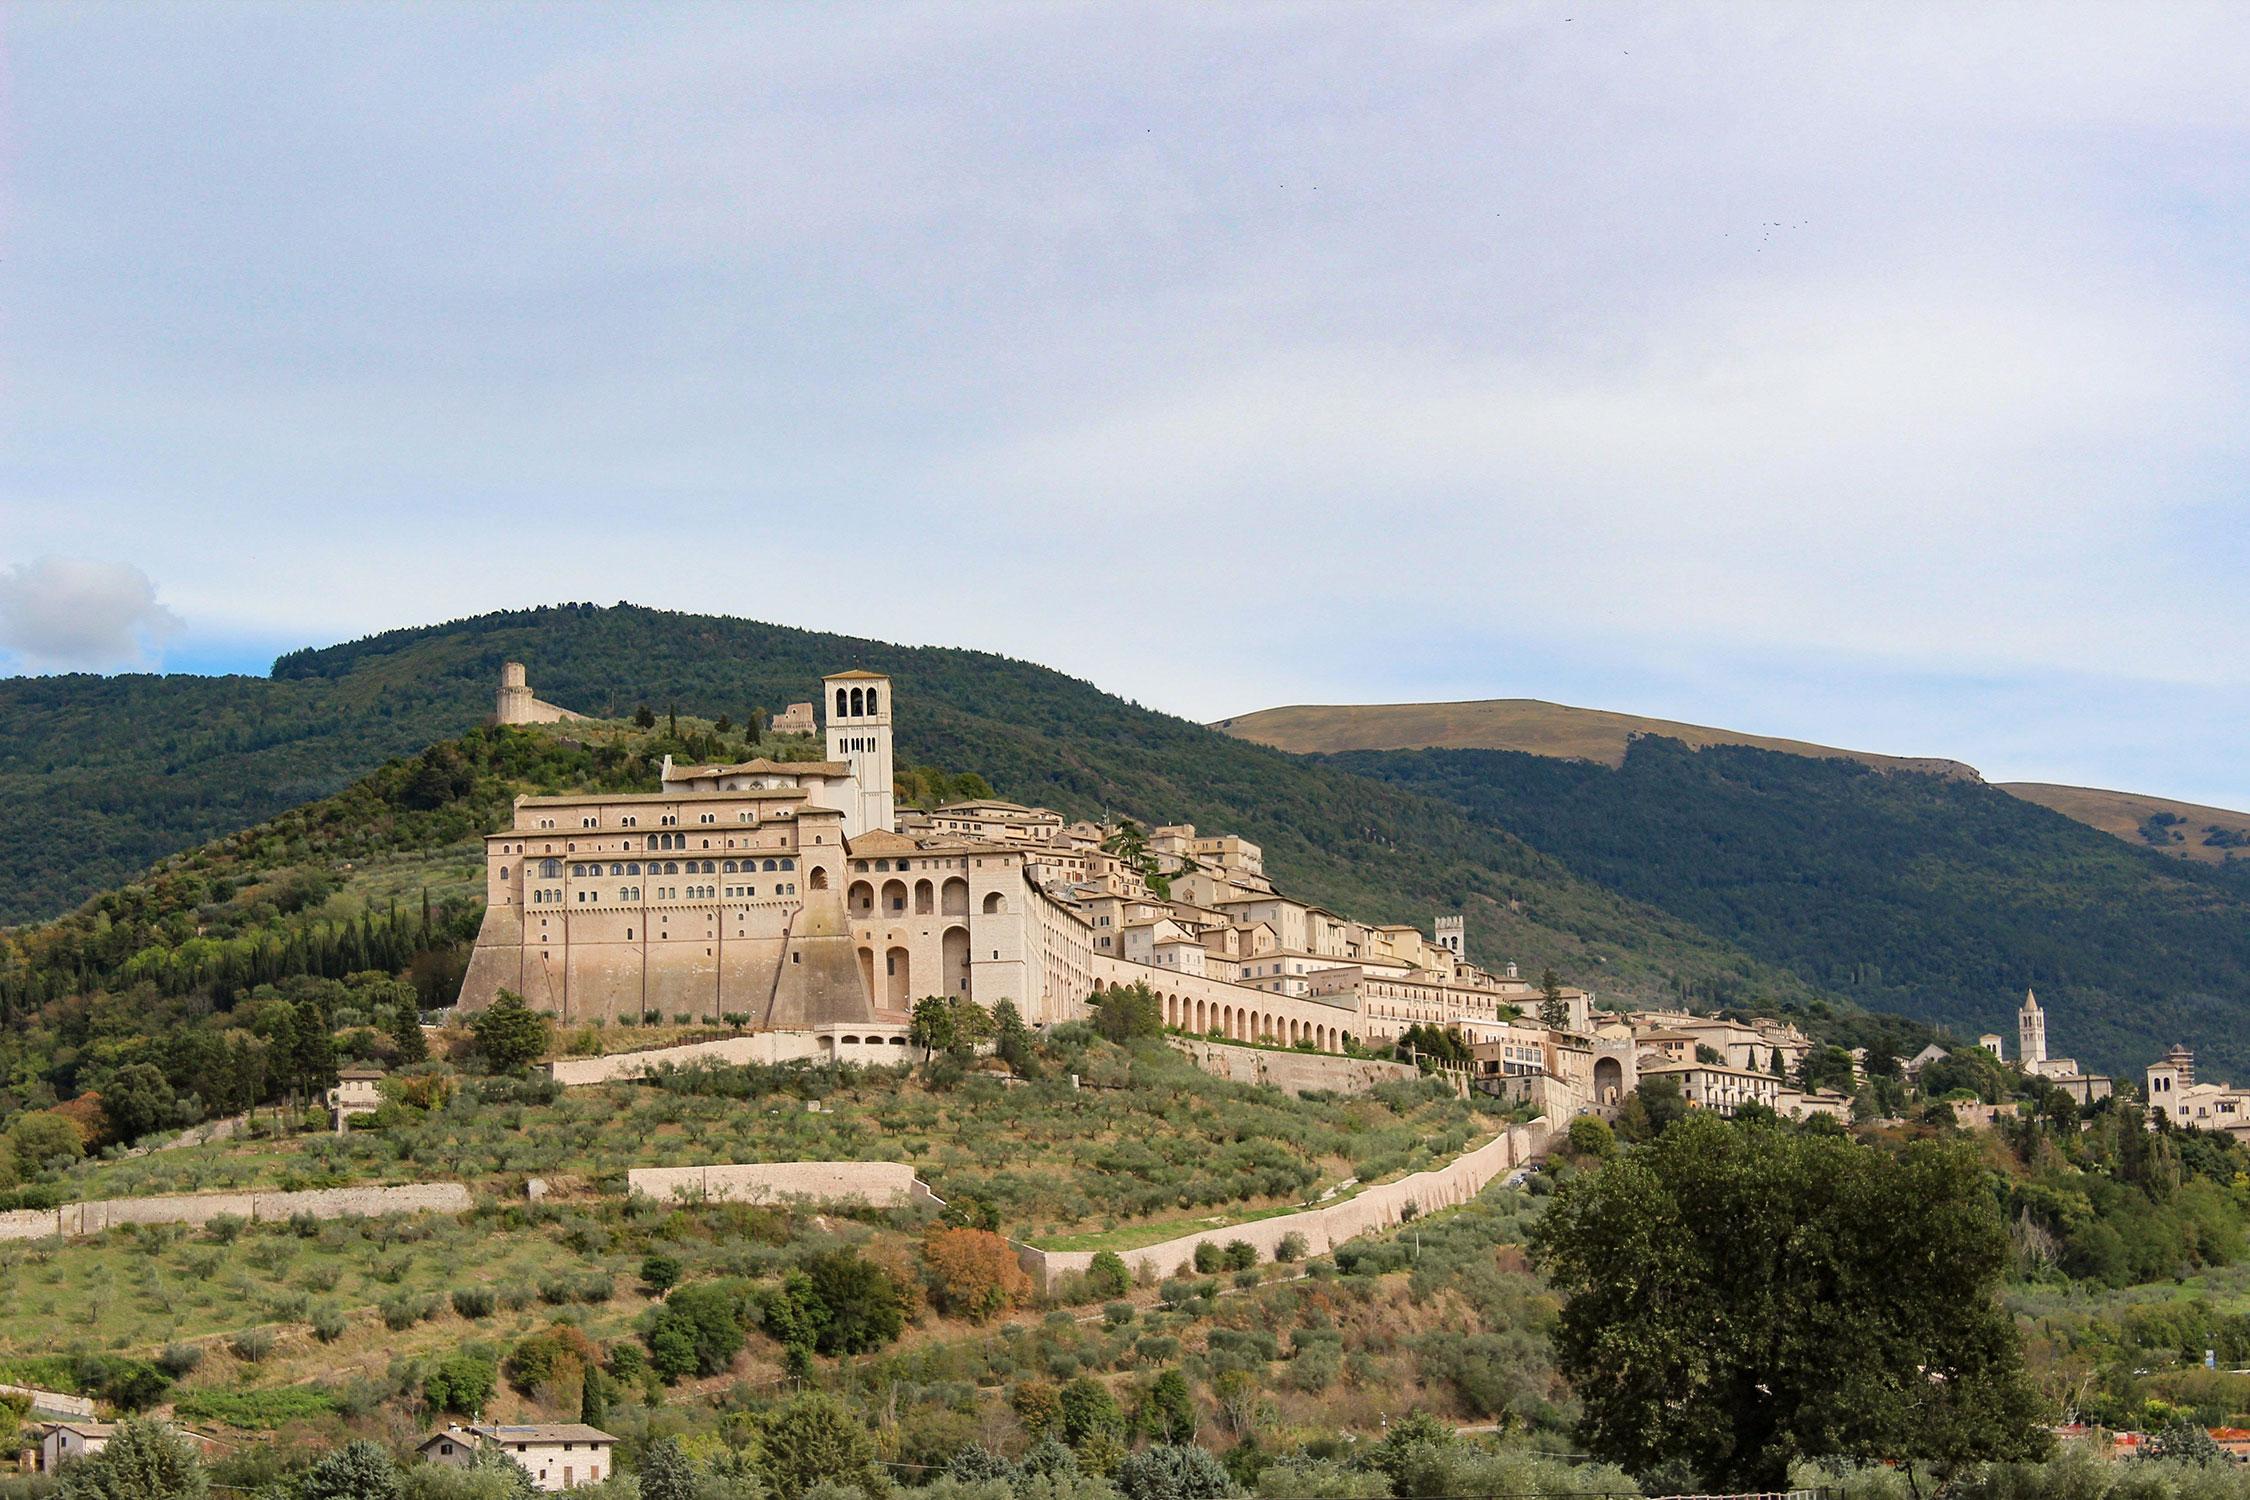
(857, 702)
(616, 869)
(872, 710)
(789, 864)
(772, 865)
(652, 841)
(728, 867)
(633, 868)
(995, 903)
(550, 869)
(839, 703)
(671, 869)
(819, 878)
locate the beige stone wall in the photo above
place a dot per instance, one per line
(51, 1403)
(1292, 1072)
(874, 1046)
(200, 1208)
(1325, 1228)
(882, 1184)
(1196, 1003)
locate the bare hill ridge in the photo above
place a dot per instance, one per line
(2183, 829)
(1526, 724)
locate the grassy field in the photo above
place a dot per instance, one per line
(2125, 814)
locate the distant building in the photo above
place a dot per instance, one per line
(358, 1091)
(517, 706)
(797, 718)
(557, 1455)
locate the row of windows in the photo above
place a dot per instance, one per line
(632, 893)
(551, 869)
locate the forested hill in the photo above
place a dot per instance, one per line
(117, 771)
(1933, 897)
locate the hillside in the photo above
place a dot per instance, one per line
(1938, 898)
(2211, 835)
(1378, 852)
(1526, 724)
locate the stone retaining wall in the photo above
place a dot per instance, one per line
(880, 1184)
(73, 1219)
(755, 1047)
(51, 1403)
(1292, 1072)
(1324, 1228)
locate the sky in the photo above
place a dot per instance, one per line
(1870, 374)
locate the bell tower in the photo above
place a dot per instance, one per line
(2031, 1033)
(857, 708)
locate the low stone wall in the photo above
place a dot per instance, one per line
(93, 1217)
(51, 1403)
(1292, 1072)
(756, 1047)
(880, 1184)
(1324, 1228)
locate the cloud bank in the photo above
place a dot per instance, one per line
(69, 614)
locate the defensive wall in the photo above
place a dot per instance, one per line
(1292, 1072)
(880, 1184)
(1325, 1227)
(201, 1208)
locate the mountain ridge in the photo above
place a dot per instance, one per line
(1535, 726)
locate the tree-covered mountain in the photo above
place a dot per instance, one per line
(118, 771)
(1936, 897)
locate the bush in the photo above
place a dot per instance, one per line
(1292, 1248)
(659, 1274)
(1208, 1258)
(973, 1273)
(329, 1323)
(697, 1330)
(257, 1410)
(180, 1360)
(1241, 1255)
(1107, 1276)
(252, 1344)
(402, 1313)
(461, 1383)
(1168, 1472)
(474, 1301)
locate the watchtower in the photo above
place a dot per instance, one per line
(858, 710)
(1452, 936)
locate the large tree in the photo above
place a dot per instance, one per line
(1744, 1295)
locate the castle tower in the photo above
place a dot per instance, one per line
(514, 706)
(2031, 1034)
(1451, 938)
(857, 706)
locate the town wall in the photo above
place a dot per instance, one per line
(1292, 1072)
(1326, 1227)
(1197, 1004)
(93, 1217)
(870, 1046)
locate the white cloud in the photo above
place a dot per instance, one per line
(68, 614)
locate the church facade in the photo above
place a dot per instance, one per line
(776, 891)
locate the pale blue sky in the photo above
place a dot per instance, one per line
(1873, 374)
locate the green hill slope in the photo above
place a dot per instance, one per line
(1935, 897)
(1372, 850)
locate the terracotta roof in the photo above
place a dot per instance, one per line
(856, 674)
(604, 799)
(532, 1432)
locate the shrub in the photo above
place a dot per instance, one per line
(329, 1323)
(1241, 1255)
(659, 1274)
(180, 1360)
(252, 1344)
(1208, 1258)
(226, 1228)
(1292, 1248)
(1107, 1276)
(862, 1306)
(554, 1354)
(462, 1382)
(402, 1313)
(257, 1410)
(474, 1301)
(1117, 1314)
(1173, 1472)
(696, 1331)
(973, 1273)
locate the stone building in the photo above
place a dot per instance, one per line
(517, 706)
(557, 1455)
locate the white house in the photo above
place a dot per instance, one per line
(557, 1455)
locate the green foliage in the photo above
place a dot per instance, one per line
(1106, 1275)
(1854, 1290)
(360, 1470)
(1087, 1410)
(1125, 1011)
(1168, 1471)
(462, 1382)
(814, 1440)
(256, 1410)
(143, 1460)
(697, 1330)
(510, 1035)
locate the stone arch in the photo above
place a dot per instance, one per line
(873, 706)
(925, 898)
(857, 700)
(898, 978)
(839, 703)
(1609, 1080)
(819, 877)
(954, 956)
(1201, 1024)
(861, 899)
(894, 897)
(995, 903)
(953, 901)
(867, 972)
